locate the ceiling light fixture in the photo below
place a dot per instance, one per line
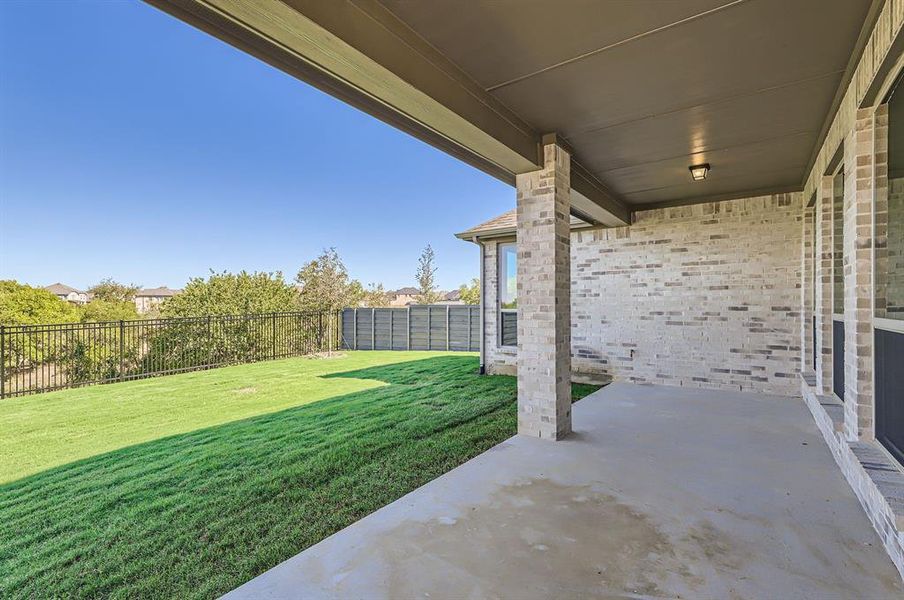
(698, 172)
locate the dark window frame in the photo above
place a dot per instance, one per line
(507, 317)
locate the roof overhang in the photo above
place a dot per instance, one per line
(362, 54)
(510, 231)
(638, 91)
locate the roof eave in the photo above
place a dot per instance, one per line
(507, 232)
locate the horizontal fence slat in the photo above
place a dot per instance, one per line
(419, 327)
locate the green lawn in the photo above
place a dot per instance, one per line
(189, 485)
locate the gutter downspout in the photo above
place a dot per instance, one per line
(483, 317)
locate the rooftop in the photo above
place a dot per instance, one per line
(162, 291)
(505, 225)
(406, 291)
(62, 288)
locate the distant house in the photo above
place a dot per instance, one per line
(408, 296)
(147, 300)
(453, 297)
(405, 296)
(67, 293)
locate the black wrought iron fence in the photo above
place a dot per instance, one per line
(41, 358)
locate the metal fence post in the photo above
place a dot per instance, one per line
(122, 336)
(373, 329)
(320, 332)
(408, 326)
(391, 321)
(273, 336)
(210, 352)
(355, 316)
(447, 328)
(429, 328)
(2, 361)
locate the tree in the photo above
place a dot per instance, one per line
(99, 310)
(22, 304)
(232, 294)
(112, 291)
(325, 285)
(190, 342)
(426, 277)
(470, 294)
(375, 296)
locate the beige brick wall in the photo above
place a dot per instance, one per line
(859, 191)
(544, 307)
(705, 295)
(807, 288)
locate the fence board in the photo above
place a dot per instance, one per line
(421, 327)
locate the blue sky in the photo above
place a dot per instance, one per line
(135, 147)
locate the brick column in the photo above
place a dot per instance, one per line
(823, 308)
(544, 297)
(886, 193)
(807, 240)
(859, 192)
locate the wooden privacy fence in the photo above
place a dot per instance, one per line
(421, 327)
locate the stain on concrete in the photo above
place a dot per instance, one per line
(543, 536)
(663, 493)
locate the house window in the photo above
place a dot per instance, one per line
(838, 283)
(508, 295)
(890, 267)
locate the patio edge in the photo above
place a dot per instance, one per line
(875, 480)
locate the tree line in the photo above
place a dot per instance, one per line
(88, 354)
(322, 284)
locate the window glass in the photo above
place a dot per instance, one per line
(508, 276)
(508, 295)
(838, 242)
(890, 267)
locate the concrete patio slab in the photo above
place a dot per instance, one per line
(660, 492)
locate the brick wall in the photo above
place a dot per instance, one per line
(705, 295)
(860, 161)
(807, 288)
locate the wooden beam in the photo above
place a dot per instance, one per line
(593, 202)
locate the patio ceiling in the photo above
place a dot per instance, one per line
(637, 89)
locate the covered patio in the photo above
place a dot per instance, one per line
(738, 165)
(659, 492)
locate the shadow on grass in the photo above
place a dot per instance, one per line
(197, 514)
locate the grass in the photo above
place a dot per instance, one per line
(189, 485)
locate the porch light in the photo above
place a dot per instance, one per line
(698, 172)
